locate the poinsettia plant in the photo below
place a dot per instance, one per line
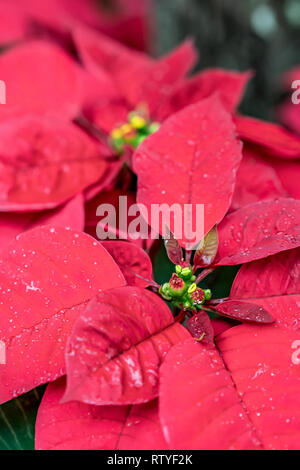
(92, 316)
(141, 348)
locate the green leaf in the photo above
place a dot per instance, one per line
(17, 421)
(163, 268)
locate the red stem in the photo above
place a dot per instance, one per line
(180, 317)
(188, 255)
(204, 274)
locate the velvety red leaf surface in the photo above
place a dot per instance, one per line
(47, 277)
(13, 26)
(117, 345)
(191, 159)
(200, 327)
(107, 114)
(241, 394)
(221, 324)
(256, 180)
(71, 215)
(77, 426)
(288, 173)
(101, 54)
(164, 74)
(174, 250)
(44, 162)
(137, 78)
(275, 139)
(40, 78)
(230, 86)
(273, 283)
(132, 260)
(259, 230)
(244, 311)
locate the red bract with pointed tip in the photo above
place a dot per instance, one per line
(270, 167)
(259, 230)
(242, 392)
(244, 311)
(174, 250)
(160, 85)
(47, 277)
(257, 180)
(191, 159)
(136, 76)
(44, 162)
(273, 283)
(116, 347)
(229, 84)
(96, 427)
(275, 139)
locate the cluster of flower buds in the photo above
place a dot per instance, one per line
(182, 290)
(133, 132)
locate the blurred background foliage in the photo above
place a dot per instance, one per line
(263, 35)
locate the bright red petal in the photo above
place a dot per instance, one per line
(274, 138)
(258, 230)
(13, 24)
(77, 426)
(288, 173)
(256, 180)
(40, 78)
(101, 54)
(191, 159)
(44, 162)
(137, 78)
(273, 283)
(108, 114)
(242, 395)
(156, 84)
(47, 277)
(116, 348)
(229, 85)
(221, 324)
(244, 311)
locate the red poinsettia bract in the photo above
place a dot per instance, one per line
(125, 348)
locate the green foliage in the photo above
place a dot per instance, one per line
(17, 421)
